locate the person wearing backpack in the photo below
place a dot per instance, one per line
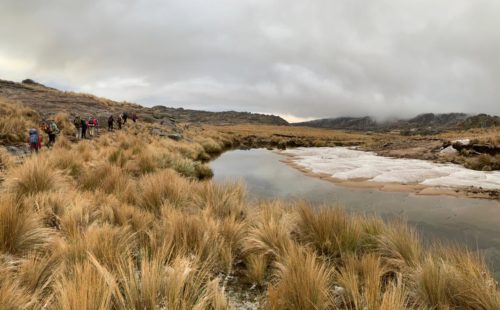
(48, 129)
(119, 121)
(134, 117)
(84, 128)
(110, 123)
(54, 131)
(91, 127)
(34, 140)
(78, 125)
(125, 117)
(96, 127)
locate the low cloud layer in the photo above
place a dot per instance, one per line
(303, 59)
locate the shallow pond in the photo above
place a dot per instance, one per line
(473, 222)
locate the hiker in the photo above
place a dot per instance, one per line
(78, 126)
(54, 131)
(119, 121)
(51, 130)
(110, 123)
(134, 117)
(46, 128)
(95, 122)
(84, 128)
(91, 126)
(125, 117)
(34, 140)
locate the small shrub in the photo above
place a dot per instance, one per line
(211, 147)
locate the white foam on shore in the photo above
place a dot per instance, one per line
(345, 164)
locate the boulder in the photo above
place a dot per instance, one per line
(175, 136)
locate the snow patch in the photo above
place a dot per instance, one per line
(346, 163)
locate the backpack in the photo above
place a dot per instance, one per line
(54, 128)
(33, 137)
(47, 128)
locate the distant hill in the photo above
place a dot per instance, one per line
(226, 117)
(349, 123)
(423, 123)
(48, 101)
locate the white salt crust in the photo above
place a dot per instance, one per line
(346, 164)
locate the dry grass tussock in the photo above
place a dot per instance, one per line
(15, 120)
(117, 223)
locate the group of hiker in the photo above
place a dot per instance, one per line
(120, 120)
(85, 128)
(35, 139)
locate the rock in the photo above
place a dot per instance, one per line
(158, 132)
(450, 150)
(338, 290)
(18, 151)
(461, 141)
(477, 148)
(175, 136)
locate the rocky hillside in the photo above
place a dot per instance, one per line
(49, 101)
(424, 123)
(227, 117)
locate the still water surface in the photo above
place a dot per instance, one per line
(473, 222)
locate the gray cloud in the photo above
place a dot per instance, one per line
(302, 58)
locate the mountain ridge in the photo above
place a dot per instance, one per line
(422, 123)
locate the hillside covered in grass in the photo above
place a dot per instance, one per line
(48, 101)
(130, 220)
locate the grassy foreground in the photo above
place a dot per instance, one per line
(124, 222)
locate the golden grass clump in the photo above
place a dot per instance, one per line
(84, 287)
(400, 246)
(50, 206)
(256, 268)
(455, 278)
(157, 189)
(270, 232)
(106, 178)
(12, 295)
(21, 230)
(211, 146)
(362, 279)
(15, 121)
(67, 160)
(6, 160)
(331, 231)
(34, 176)
(303, 282)
(222, 200)
(37, 272)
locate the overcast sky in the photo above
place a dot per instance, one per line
(298, 58)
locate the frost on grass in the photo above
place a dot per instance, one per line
(347, 164)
